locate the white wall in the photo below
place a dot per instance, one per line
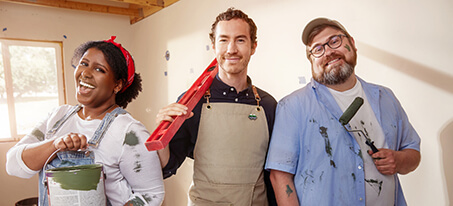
(404, 45)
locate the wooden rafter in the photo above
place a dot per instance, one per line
(149, 10)
(137, 10)
(144, 2)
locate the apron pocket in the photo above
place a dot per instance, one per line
(205, 193)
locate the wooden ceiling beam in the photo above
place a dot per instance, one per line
(159, 3)
(149, 10)
(82, 7)
(169, 2)
(138, 9)
(145, 11)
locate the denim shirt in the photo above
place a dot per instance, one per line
(309, 142)
(73, 158)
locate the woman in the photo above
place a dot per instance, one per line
(106, 82)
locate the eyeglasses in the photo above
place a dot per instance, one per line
(334, 42)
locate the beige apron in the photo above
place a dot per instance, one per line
(229, 156)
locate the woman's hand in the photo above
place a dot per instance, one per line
(71, 141)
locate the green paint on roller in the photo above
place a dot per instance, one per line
(131, 139)
(81, 177)
(38, 134)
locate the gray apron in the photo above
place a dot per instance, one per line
(229, 156)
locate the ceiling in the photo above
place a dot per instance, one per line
(136, 10)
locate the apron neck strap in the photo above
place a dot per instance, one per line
(257, 96)
(207, 95)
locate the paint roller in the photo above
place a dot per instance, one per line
(347, 116)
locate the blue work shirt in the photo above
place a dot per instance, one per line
(309, 141)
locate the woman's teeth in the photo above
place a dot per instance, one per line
(87, 85)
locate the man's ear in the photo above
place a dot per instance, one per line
(351, 39)
(254, 47)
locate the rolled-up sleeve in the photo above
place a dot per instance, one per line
(14, 164)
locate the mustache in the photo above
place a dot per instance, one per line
(332, 57)
(231, 56)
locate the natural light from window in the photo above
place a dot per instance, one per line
(30, 76)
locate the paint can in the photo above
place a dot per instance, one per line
(76, 185)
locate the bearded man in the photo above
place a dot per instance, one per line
(313, 158)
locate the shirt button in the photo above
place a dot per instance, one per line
(360, 199)
(224, 93)
(232, 89)
(236, 100)
(360, 167)
(247, 94)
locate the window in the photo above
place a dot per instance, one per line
(31, 84)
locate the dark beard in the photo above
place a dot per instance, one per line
(337, 75)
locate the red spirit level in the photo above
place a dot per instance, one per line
(166, 130)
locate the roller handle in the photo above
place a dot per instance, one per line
(371, 144)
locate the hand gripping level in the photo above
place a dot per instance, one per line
(162, 135)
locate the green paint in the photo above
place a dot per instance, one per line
(377, 184)
(328, 148)
(131, 139)
(347, 47)
(353, 176)
(82, 177)
(366, 132)
(67, 163)
(38, 134)
(147, 198)
(288, 190)
(135, 202)
(360, 154)
(138, 166)
(332, 163)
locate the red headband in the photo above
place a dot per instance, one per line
(129, 62)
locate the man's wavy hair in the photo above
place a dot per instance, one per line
(233, 13)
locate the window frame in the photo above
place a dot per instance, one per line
(62, 99)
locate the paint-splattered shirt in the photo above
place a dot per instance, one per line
(309, 142)
(132, 172)
(379, 188)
